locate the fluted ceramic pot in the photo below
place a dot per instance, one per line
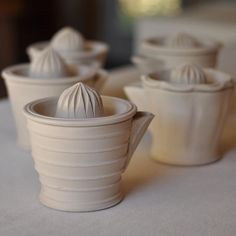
(95, 52)
(80, 162)
(23, 89)
(152, 53)
(190, 118)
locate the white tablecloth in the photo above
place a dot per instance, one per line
(160, 199)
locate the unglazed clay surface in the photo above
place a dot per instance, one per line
(79, 102)
(147, 64)
(48, 64)
(190, 116)
(68, 39)
(181, 40)
(23, 88)
(179, 48)
(73, 48)
(80, 162)
(188, 74)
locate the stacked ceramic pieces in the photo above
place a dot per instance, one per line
(81, 144)
(46, 75)
(191, 101)
(53, 68)
(175, 49)
(73, 48)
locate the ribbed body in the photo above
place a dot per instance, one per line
(80, 167)
(80, 161)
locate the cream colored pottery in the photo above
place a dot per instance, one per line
(153, 49)
(189, 119)
(80, 161)
(96, 53)
(23, 89)
(147, 65)
(135, 94)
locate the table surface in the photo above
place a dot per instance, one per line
(160, 199)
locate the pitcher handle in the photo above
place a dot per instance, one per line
(140, 124)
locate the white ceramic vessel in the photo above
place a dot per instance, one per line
(73, 48)
(80, 161)
(190, 117)
(23, 89)
(171, 51)
(146, 64)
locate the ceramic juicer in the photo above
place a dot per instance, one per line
(73, 48)
(175, 49)
(81, 145)
(191, 105)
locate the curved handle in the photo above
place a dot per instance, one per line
(100, 79)
(140, 124)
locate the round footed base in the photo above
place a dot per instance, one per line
(80, 207)
(184, 163)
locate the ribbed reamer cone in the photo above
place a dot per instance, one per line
(188, 74)
(181, 40)
(48, 64)
(79, 102)
(67, 39)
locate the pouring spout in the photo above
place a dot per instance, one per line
(140, 124)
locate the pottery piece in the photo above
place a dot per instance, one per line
(79, 102)
(23, 88)
(147, 64)
(80, 161)
(191, 106)
(176, 49)
(73, 48)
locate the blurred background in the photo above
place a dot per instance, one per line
(120, 23)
